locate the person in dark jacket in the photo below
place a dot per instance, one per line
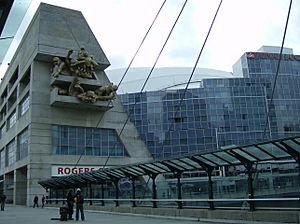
(36, 201)
(79, 200)
(2, 201)
(43, 201)
(70, 203)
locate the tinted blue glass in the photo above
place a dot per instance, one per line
(68, 140)
(223, 111)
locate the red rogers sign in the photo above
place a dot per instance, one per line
(57, 170)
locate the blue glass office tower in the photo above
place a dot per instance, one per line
(222, 111)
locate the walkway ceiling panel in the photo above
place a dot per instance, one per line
(137, 169)
(88, 176)
(257, 153)
(184, 165)
(77, 178)
(205, 161)
(231, 159)
(297, 140)
(114, 174)
(191, 162)
(132, 171)
(100, 175)
(148, 170)
(158, 169)
(69, 180)
(293, 144)
(216, 160)
(274, 150)
(175, 166)
(245, 155)
(117, 171)
(162, 166)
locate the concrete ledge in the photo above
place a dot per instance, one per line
(72, 102)
(227, 216)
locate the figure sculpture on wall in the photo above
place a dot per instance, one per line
(59, 67)
(75, 87)
(62, 66)
(88, 96)
(103, 93)
(106, 92)
(83, 66)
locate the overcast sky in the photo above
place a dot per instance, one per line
(241, 25)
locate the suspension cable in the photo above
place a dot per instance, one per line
(129, 66)
(277, 70)
(142, 42)
(193, 71)
(274, 86)
(142, 89)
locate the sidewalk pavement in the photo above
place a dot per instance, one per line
(14, 214)
(28, 215)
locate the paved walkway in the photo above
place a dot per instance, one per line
(26, 215)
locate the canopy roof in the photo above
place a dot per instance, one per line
(281, 149)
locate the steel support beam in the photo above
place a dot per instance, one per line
(116, 182)
(179, 190)
(133, 191)
(102, 194)
(154, 190)
(210, 189)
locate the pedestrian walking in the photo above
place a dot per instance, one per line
(43, 201)
(70, 203)
(79, 200)
(36, 201)
(2, 201)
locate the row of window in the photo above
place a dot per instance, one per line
(12, 119)
(15, 150)
(70, 140)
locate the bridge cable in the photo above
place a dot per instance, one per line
(278, 67)
(142, 89)
(142, 42)
(194, 68)
(273, 89)
(192, 73)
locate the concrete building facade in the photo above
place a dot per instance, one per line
(45, 131)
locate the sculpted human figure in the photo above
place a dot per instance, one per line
(58, 67)
(85, 64)
(75, 87)
(62, 67)
(106, 92)
(88, 96)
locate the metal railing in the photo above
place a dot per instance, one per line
(238, 203)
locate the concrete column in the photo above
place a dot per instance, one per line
(90, 193)
(179, 189)
(250, 185)
(20, 190)
(154, 190)
(36, 172)
(102, 194)
(210, 189)
(133, 192)
(116, 182)
(9, 187)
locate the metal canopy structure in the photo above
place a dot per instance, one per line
(247, 155)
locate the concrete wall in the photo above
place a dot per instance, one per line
(52, 32)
